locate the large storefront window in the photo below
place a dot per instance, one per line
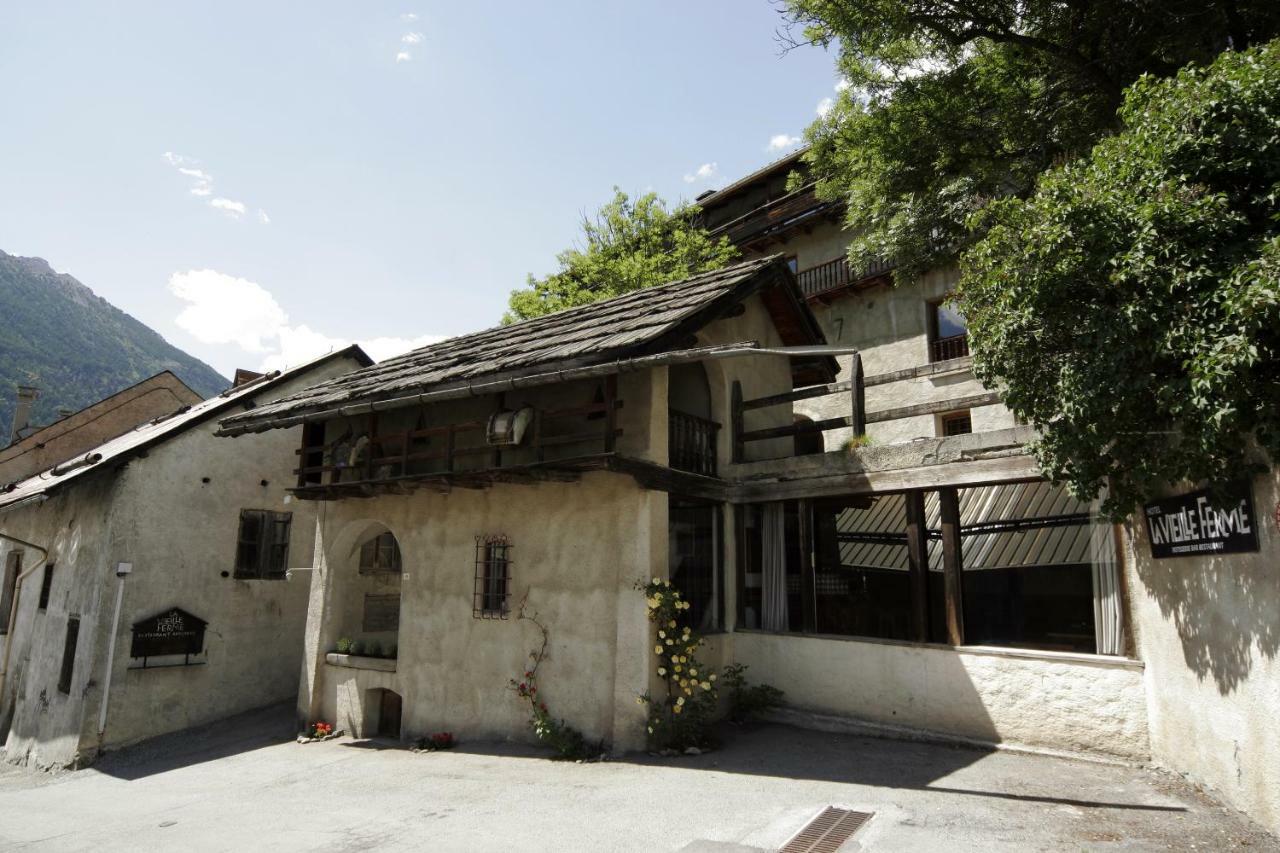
(694, 539)
(1033, 568)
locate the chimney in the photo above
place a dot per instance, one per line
(22, 411)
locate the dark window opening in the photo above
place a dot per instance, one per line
(262, 545)
(793, 264)
(693, 535)
(957, 423)
(312, 454)
(770, 560)
(46, 587)
(948, 332)
(492, 594)
(69, 654)
(380, 554)
(12, 568)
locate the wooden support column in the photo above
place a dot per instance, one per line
(610, 412)
(808, 579)
(952, 564)
(857, 397)
(918, 565)
(373, 443)
(735, 420)
(501, 400)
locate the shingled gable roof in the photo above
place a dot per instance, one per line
(646, 321)
(113, 453)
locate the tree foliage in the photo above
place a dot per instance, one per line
(1130, 308)
(627, 245)
(949, 105)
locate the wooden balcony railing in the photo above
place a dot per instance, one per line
(691, 444)
(836, 274)
(945, 349)
(774, 217)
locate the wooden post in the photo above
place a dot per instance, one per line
(857, 397)
(952, 564)
(610, 411)
(497, 449)
(918, 565)
(373, 442)
(735, 420)
(448, 449)
(808, 579)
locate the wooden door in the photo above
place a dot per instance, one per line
(389, 715)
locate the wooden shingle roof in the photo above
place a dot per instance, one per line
(638, 323)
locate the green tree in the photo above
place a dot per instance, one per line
(627, 245)
(1130, 308)
(950, 105)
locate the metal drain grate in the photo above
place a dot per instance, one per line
(826, 832)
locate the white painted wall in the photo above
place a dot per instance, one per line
(1208, 629)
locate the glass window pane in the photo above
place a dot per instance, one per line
(862, 585)
(694, 560)
(950, 322)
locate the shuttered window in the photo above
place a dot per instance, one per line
(262, 546)
(69, 654)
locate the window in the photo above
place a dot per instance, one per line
(956, 423)
(493, 578)
(46, 586)
(69, 654)
(12, 568)
(262, 547)
(380, 554)
(693, 535)
(948, 334)
(793, 264)
(1028, 566)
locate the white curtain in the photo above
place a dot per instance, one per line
(1107, 618)
(774, 568)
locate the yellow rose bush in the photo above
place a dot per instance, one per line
(682, 716)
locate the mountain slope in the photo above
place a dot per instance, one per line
(57, 334)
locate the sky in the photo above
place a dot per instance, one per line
(260, 182)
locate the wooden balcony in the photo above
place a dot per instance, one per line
(691, 443)
(836, 275)
(775, 217)
(945, 349)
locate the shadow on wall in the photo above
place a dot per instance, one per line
(1222, 606)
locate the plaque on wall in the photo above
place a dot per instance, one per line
(381, 613)
(174, 632)
(1190, 525)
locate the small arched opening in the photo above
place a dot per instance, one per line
(691, 439)
(371, 599)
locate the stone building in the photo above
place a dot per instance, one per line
(143, 581)
(35, 449)
(1183, 665)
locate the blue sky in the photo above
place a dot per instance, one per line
(258, 181)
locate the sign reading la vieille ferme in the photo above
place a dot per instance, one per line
(1190, 524)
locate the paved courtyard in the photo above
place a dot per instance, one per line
(245, 786)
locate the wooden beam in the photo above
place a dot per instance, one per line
(735, 421)
(610, 412)
(857, 397)
(952, 564)
(933, 408)
(918, 565)
(808, 581)
(800, 428)
(801, 394)
(955, 365)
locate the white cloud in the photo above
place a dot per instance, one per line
(202, 186)
(824, 106)
(263, 218)
(412, 38)
(404, 56)
(705, 172)
(409, 16)
(224, 309)
(234, 209)
(780, 141)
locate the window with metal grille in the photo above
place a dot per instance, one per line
(69, 654)
(493, 578)
(957, 423)
(262, 546)
(380, 554)
(12, 568)
(46, 586)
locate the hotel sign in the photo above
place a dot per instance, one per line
(1190, 525)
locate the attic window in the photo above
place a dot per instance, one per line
(492, 595)
(262, 546)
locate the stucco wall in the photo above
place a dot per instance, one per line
(1077, 703)
(577, 550)
(1208, 629)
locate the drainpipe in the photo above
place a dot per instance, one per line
(13, 609)
(122, 572)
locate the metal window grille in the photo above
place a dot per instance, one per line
(46, 586)
(380, 554)
(69, 655)
(492, 596)
(959, 423)
(262, 545)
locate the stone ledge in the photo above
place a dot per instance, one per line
(361, 662)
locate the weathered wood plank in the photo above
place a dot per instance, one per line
(952, 564)
(936, 407)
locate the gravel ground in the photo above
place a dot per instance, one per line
(245, 785)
